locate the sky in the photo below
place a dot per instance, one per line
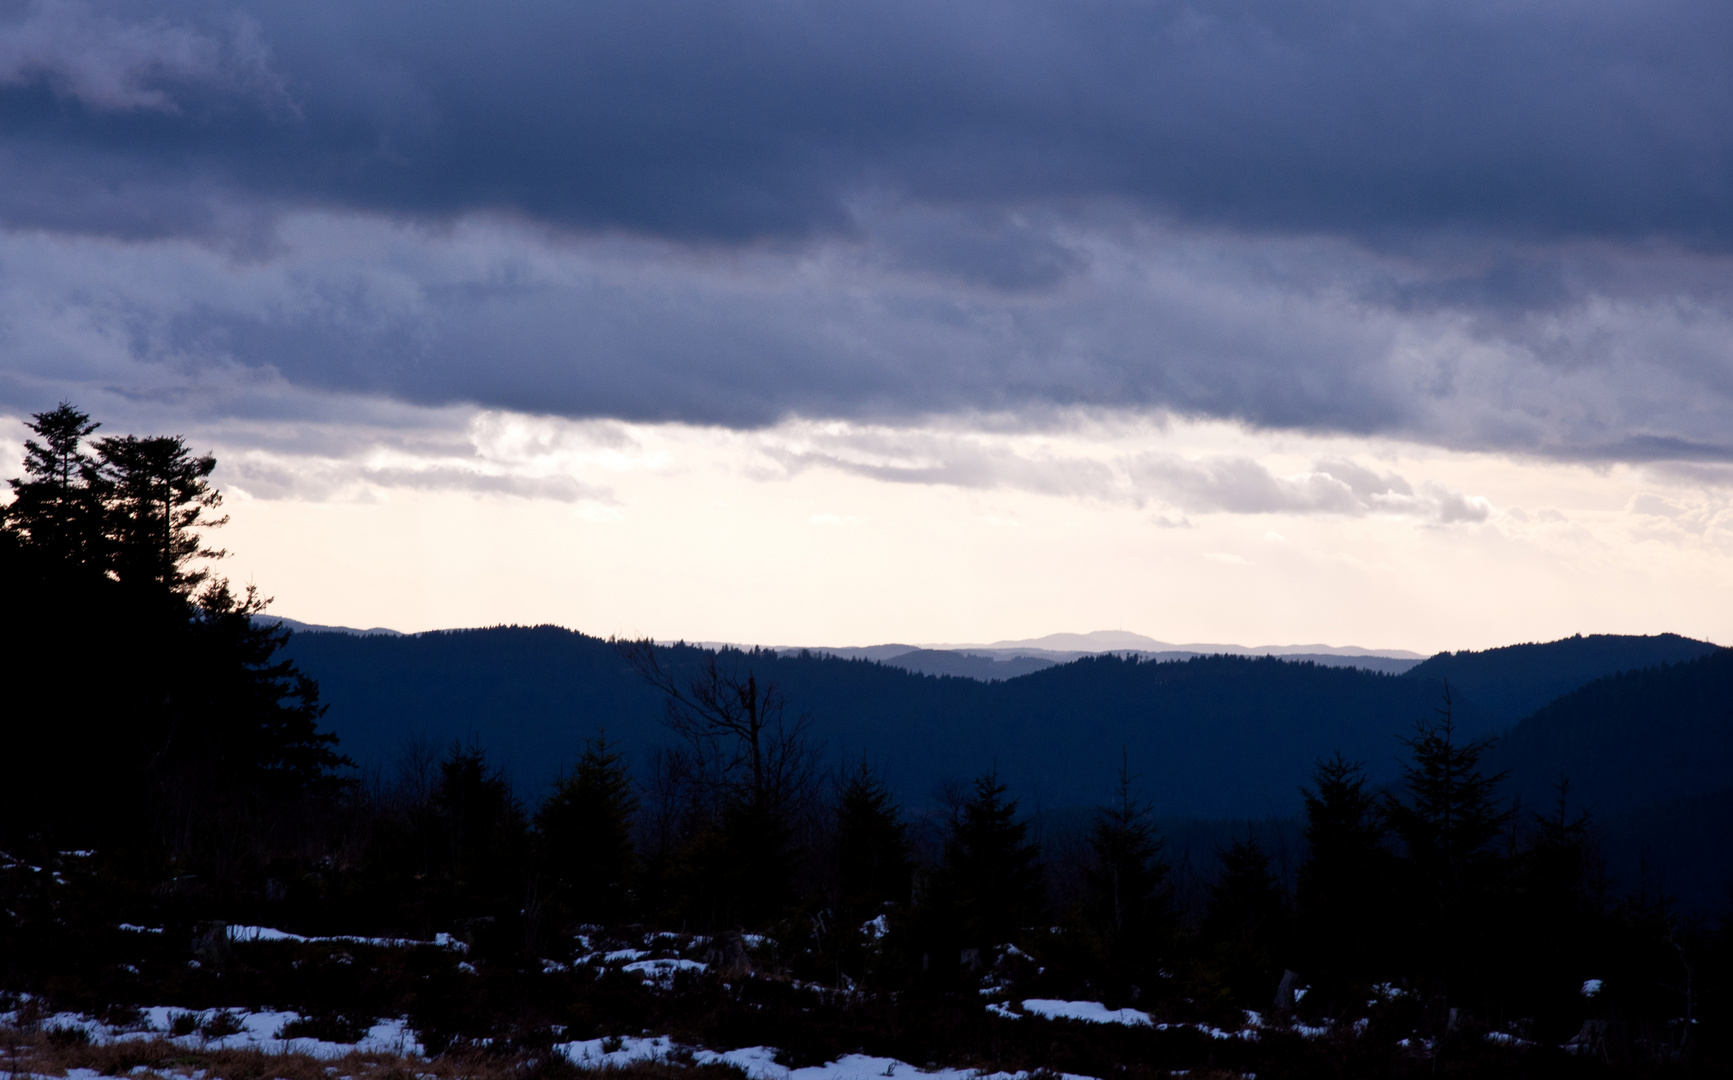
(1393, 323)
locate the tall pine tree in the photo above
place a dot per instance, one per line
(157, 493)
(56, 509)
(167, 703)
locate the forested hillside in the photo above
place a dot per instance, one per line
(1650, 752)
(1634, 739)
(1509, 683)
(1216, 736)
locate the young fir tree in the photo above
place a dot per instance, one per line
(585, 834)
(1449, 825)
(1245, 925)
(1346, 886)
(482, 834)
(872, 848)
(1129, 903)
(1556, 910)
(991, 881)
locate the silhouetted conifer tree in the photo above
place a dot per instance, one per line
(1552, 928)
(56, 509)
(255, 712)
(156, 494)
(991, 883)
(1347, 884)
(1449, 825)
(584, 831)
(1129, 903)
(872, 847)
(172, 711)
(483, 828)
(1245, 925)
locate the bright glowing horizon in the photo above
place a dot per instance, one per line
(835, 534)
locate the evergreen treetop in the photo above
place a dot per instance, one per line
(55, 507)
(1345, 896)
(872, 845)
(1126, 880)
(1449, 817)
(993, 873)
(584, 830)
(157, 492)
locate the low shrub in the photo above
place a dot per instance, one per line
(327, 1027)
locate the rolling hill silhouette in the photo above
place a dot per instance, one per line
(1513, 681)
(1220, 736)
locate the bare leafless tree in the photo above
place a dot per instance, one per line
(742, 744)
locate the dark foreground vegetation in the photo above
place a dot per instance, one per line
(169, 781)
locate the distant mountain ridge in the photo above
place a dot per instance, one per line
(1010, 663)
(1645, 728)
(1223, 736)
(1218, 735)
(315, 628)
(1010, 659)
(1099, 641)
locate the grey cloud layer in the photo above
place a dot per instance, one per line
(102, 63)
(1278, 334)
(1486, 225)
(1209, 484)
(735, 118)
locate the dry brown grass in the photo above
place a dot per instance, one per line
(38, 1053)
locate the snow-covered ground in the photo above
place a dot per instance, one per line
(1094, 1012)
(258, 1030)
(759, 1062)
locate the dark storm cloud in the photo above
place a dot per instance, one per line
(726, 119)
(1504, 225)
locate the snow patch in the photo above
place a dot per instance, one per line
(258, 1030)
(662, 971)
(759, 1062)
(1091, 1012)
(250, 934)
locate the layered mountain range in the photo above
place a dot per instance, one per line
(1641, 726)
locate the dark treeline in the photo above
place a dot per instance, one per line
(153, 714)
(162, 729)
